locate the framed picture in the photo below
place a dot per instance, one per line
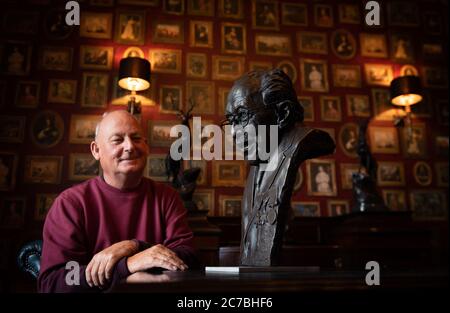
(395, 200)
(357, 105)
(442, 112)
(96, 25)
(402, 49)
(170, 98)
(202, 179)
(204, 200)
(382, 108)
(231, 9)
(441, 173)
(12, 214)
(96, 57)
(373, 45)
(196, 65)
(293, 14)
(82, 128)
(428, 204)
(432, 23)
(156, 167)
(201, 34)
(47, 129)
(43, 169)
(312, 42)
(432, 50)
(346, 75)
(228, 173)
(56, 59)
(201, 7)
(323, 15)
(441, 143)
(165, 61)
(62, 91)
(83, 166)
(347, 170)
(348, 139)
(409, 69)
(435, 77)
(173, 7)
(94, 93)
(259, 66)
(338, 207)
(403, 13)
(8, 168)
(15, 58)
(343, 44)
(330, 108)
(130, 27)
(168, 32)
(378, 74)
(20, 22)
(422, 173)
(227, 68)
(314, 75)
(223, 99)
(133, 52)
(28, 94)
(383, 140)
(234, 38)
(289, 69)
(159, 133)
(414, 145)
(273, 44)
(43, 203)
(230, 205)
(201, 93)
(349, 14)
(390, 174)
(306, 208)
(265, 15)
(12, 128)
(308, 108)
(55, 27)
(321, 175)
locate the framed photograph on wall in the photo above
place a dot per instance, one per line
(201, 8)
(159, 133)
(390, 174)
(230, 205)
(94, 93)
(8, 168)
(28, 94)
(441, 146)
(338, 207)
(55, 27)
(62, 91)
(349, 13)
(373, 45)
(348, 139)
(96, 25)
(273, 44)
(312, 42)
(414, 145)
(204, 200)
(201, 34)
(314, 75)
(423, 175)
(228, 173)
(156, 167)
(384, 140)
(382, 107)
(428, 204)
(378, 74)
(294, 14)
(96, 57)
(435, 77)
(308, 108)
(43, 169)
(47, 129)
(330, 108)
(403, 13)
(321, 175)
(345, 75)
(82, 128)
(130, 27)
(201, 93)
(343, 44)
(306, 208)
(432, 50)
(56, 59)
(409, 69)
(402, 48)
(83, 166)
(196, 65)
(168, 32)
(21, 22)
(441, 173)
(259, 66)
(289, 69)
(227, 68)
(175, 7)
(395, 200)
(12, 212)
(133, 52)
(357, 105)
(265, 15)
(202, 179)
(42, 204)
(347, 170)
(12, 128)
(231, 9)
(323, 15)
(170, 98)
(234, 38)
(165, 61)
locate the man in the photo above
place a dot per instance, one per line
(115, 224)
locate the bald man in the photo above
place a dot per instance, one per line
(115, 224)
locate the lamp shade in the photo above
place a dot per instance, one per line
(406, 90)
(134, 74)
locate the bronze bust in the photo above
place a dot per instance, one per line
(268, 98)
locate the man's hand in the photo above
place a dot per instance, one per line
(100, 268)
(156, 256)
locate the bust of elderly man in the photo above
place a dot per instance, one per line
(115, 224)
(268, 98)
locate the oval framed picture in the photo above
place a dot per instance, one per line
(348, 139)
(133, 52)
(47, 129)
(289, 69)
(408, 69)
(343, 44)
(422, 173)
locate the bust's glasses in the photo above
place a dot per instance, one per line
(240, 116)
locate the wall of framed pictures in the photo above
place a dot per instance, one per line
(57, 80)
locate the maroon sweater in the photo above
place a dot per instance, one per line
(93, 215)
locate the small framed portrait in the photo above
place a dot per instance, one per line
(168, 32)
(289, 69)
(43, 169)
(96, 57)
(346, 75)
(201, 94)
(15, 58)
(83, 166)
(230, 205)
(378, 74)
(323, 15)
(204, 200)
(170, 98)
(159, 133)
(441, 145)
(330, 108)
(428, 204)
(265, 15)
(228, 173)
(94, 92)
(423, 174)
(432, 23)
(273, 44)
(348, 139)
(62, 91)
(347, 170)
(21, 22)
(308, 108)
(227, 68)
(55, 26)
(12, 213)
(196, 65)
(12, 128)
(200, 7)
(202, 179)
(56, 59)
(382, 108)
(82, 128)
(294, 14)
(403, 13)
(8, 168)
(409, 70)
(373, 45)
(338, 207)
(314, 75)
(357, 105)
(395, 200)
(133, 52)
(231, 9)
(223, 98)
(165, 61)
(432, 50)
(402, 49)
(96, 25)
(43, 203)
(130, 27)
(234, 38)
(442, 112)
(28, 94)
(349, 14)
(312, 42)
(156, 167)
(47, 129)
(390, 174)
(441, 173)
(298, 180)
(175, 7)
(435, 77)
(259, 66)
(414, 145)
(384, 140)
(201, 34)
(321, 175)
(306, 208)
(343, 44)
